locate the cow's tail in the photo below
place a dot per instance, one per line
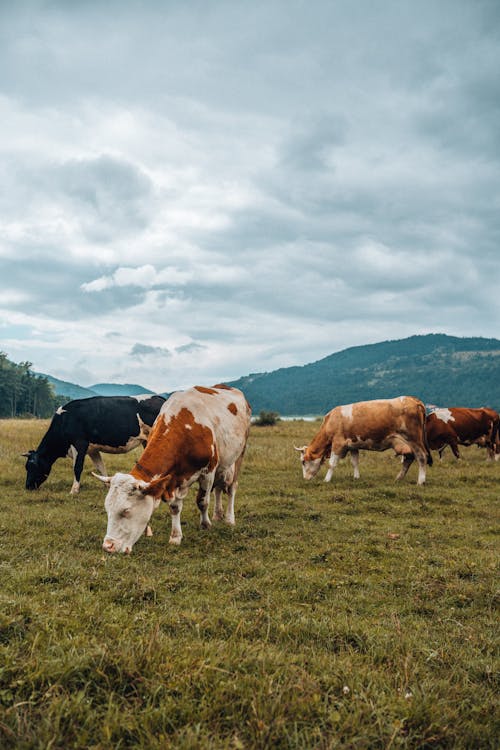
(494, 435)
(426, 442)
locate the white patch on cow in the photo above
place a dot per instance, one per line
(188, 427)
(60, 410)
(346, 411)
(444, 415)
(144, 396)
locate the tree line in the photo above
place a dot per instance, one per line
(24, 394)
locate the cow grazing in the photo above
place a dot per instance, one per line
(200, 435)
(397, 423)
(456, 426)
(112, 424)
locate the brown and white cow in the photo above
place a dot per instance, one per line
(199, 435)
(397, 423)
(457, 425)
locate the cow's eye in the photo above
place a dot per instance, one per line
(125, 513)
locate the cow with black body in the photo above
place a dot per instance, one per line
(199, 436)
(397, 423)
(458, 425)
(111, 424)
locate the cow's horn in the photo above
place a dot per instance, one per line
(300, 449)
(145, 429)
(25, 455)
(106, 480)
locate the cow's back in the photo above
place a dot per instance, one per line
(221, 409)
(374, 420)
(102, 420)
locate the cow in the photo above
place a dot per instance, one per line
(397, 423)
(456, 426)
(112, 424)
(200, 436)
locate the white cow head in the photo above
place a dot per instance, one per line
(129, 504)
(310, 466)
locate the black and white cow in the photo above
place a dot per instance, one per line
(112, 424)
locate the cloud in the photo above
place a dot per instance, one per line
(144, 350)
(160, 192)
(190, 348)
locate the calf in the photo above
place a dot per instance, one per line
(112, 424)
(199, 436)
(397, 423)
(456, 426)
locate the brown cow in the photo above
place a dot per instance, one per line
(397, 423)
(456, 426)
(199, 436)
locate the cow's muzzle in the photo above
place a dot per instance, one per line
(111, 546)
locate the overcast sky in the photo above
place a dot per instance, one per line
(192, 191)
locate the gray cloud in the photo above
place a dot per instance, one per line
(144, 350)
(160, 191)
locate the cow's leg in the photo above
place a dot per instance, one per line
(218, 509)
(229, 517)
(422, 467)
(81, 451)
(175, 506)
(355, 463)
(96, 459)
(454, 447)
(332, 463)
(203, 498)
(408, 459)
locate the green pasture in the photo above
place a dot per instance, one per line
(359, 614)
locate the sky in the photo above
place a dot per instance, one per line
(192, 191)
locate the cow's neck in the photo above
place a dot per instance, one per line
(53, 446)
(319, 447)
(180, 448)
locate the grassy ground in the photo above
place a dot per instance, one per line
(349, 615)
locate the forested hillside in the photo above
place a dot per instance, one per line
(439, 369)
(23, 393)
(68, 391)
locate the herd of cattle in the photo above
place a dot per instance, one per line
(200, 435)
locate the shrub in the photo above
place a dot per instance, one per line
(267, 418)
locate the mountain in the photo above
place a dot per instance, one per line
(119, 389)
(439, 369)
(68, 390)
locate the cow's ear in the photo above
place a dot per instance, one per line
(106, 480)
(157, 487)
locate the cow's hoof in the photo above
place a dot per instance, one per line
(175, 540)
(230, 521)
(205, 524)
(218, 517)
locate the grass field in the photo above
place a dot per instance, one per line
(349, 615)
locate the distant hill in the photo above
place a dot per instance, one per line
(439, 369)
(68, 390)
(119, 389)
